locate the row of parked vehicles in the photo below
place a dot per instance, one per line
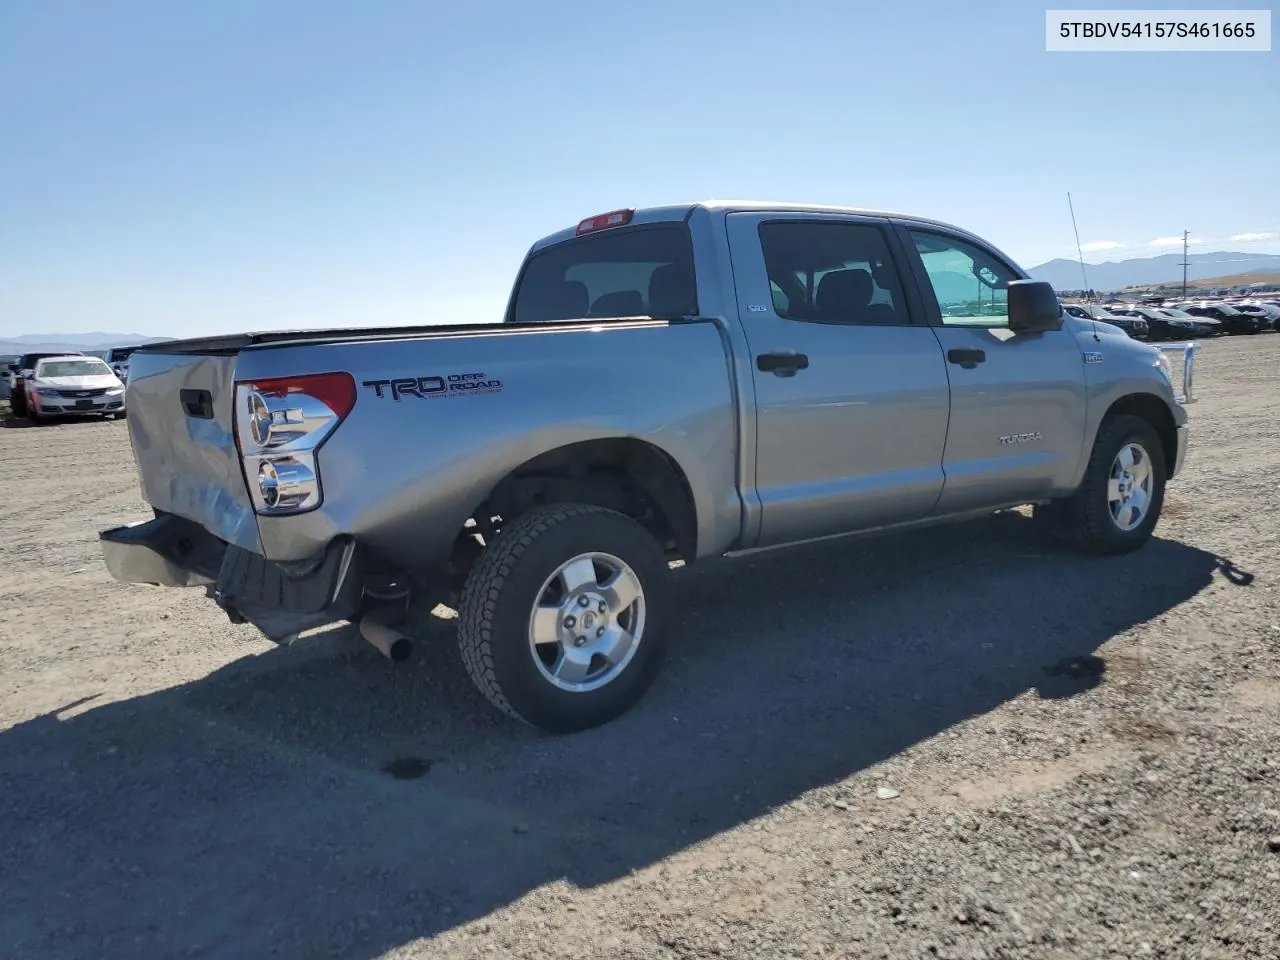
(1183, 320)
(65, 383)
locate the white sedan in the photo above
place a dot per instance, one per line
(73, 386)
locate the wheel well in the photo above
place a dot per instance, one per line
(1154, 410)
(624, 474)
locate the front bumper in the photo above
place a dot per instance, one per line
(1184, 435)
(72, 406)
(171, 551)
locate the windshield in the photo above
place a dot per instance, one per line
(638, 272)
(1176, 314)
(72, 368)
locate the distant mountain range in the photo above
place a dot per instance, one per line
(1166, 268)
(47, 342)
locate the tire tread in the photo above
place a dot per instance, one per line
(1086, 512)
(484, 585)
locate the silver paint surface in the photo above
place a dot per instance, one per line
(879, 430)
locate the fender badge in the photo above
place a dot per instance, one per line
(1028, 437)
(1091, 357)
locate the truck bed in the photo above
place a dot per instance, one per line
(401, 473)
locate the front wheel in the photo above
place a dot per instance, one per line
(561, 619)
(1118, 503)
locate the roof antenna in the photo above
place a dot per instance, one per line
(1083, 275)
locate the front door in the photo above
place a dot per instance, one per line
(1018, 401)
(850, 382)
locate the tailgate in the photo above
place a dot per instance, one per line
(179, 413)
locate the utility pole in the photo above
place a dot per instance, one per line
(1185, 264)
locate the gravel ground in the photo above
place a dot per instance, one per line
(962, 743)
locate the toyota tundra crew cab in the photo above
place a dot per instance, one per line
(673, 383)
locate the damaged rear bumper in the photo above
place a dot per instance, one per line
(171, 551)
(166, 552)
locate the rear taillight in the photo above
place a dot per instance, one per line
(279, 425)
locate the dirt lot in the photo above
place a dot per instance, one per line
(1084, 751)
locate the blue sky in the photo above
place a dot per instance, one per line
(190, 168)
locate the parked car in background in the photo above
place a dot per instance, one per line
(117, 359)
(1135, 327)
(22, 373)
(8, 367)
(1160, 327)
(73, 385)
(1204, 326)
(1266, 311)
(1233, 321)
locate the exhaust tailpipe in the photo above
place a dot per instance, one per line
(390, 642)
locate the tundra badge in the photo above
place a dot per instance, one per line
(1020, 437)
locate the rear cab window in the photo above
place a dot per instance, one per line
(640, 271)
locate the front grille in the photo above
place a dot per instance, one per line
(81, 394)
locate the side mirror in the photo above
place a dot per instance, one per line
(1033, 307)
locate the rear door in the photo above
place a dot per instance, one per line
(1018, 401)
(850, 382)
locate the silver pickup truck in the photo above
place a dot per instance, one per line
(668, 384)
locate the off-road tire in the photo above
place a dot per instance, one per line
(1084, 519)
(498, 596)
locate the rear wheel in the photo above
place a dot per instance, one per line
(18, 404)
(1119, 501)
(561, 619)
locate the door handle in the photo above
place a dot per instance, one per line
(782, 363)
(967, 357)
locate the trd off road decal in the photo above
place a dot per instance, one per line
(429, 388)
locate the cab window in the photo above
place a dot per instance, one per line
(970, 285)
(832, 272)
(628, 272)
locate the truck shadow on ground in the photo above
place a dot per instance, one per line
(321, 801)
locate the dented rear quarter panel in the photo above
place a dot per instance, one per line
(188, 465)
(402, 475)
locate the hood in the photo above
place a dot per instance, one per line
(95, 382)
(1080, 327)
